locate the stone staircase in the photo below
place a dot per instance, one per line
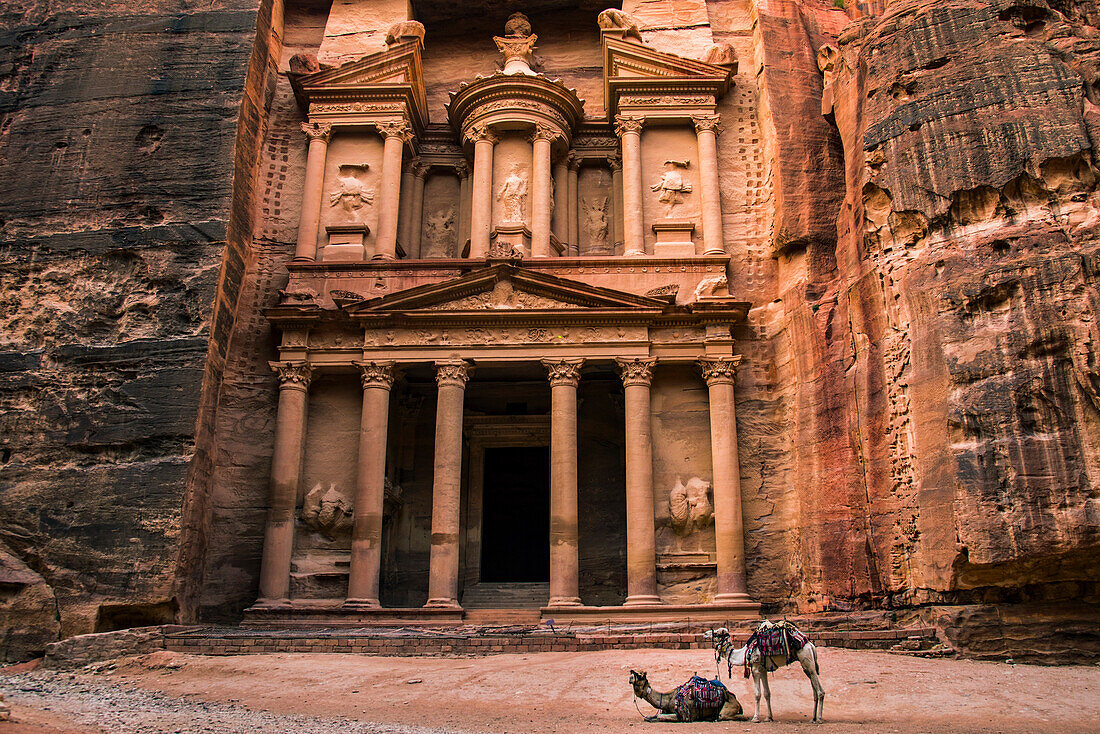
(506, 596)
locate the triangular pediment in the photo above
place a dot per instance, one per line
(396, 71)
(632, 66)
(503, 288)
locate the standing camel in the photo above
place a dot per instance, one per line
(761, 665)
(673, 707)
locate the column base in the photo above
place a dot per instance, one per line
(714, 252)
(443, 604)
(641, 600)
(303, 259)
(283, 603)
(634, 253)
(564, 601)
(383, 256)
(362, 604)
(732, 598)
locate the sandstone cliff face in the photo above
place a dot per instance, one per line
(117, 127)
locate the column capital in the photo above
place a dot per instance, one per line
(573, 161)
(419, 168)
(394, 129)
(292, 375)
(615, 163)
(481, 133)
(376, 374)
(452, 372)
(462, 169)
(564, 371)
(546, 132)
(707, 122)
(719, 370)
(628, 124)
(317, 131)
(636, 371)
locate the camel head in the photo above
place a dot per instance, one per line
(639, 681)
(720, 638)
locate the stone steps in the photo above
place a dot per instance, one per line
(506, 596)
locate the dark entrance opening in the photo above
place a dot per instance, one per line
(515, 527)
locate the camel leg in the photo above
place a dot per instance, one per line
(808, 657)
(767, 693)
(756, 694)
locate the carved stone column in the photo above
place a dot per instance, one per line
(641, 543)
(416, 227)
(561, 199)
(706, 129)
(629, 130)
(286, 473)
(541, 141)
(616, 164)
(720, 374)
(446, 508)
(310, 219)
(389, 198)
(574, 205)
(481, 205)
(366, 538)
(565, 374)
(462, 212)
(404, 211)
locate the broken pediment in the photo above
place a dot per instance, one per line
(505, 288)
(389, 76)
(634, 68)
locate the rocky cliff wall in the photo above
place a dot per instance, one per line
(117, 156)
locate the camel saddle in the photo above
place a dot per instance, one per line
(698, 693)
(779, 640)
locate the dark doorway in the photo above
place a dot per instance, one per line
(515, 528)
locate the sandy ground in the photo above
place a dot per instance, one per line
(536, 694)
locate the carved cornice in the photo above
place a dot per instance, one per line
(376, 374)
(317, 131)
(719, 370)
(636, 371)
(452, 372)
(292, 375)
(395, 129)
(564, 371)
(707, 122)
(628, 124)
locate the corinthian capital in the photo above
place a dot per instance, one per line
(317, 131)
(292, 375)
(394, 129)
(627, 124)
(707, 122)
(452, 372)
(636, 371)
(719, 370)
(376, 374)
(564, 371)
(478, 133)
(545, 132)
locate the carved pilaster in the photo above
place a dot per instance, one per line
(636, 371)
(376, 374)
(564, 371)
(719, 370)
(317, 131)
(292, 375)
(707, 122)
(452, 372)
(628, 124)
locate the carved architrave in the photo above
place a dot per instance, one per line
(452, 372)
(317, 131)
(636, 371)
(628, 124)
(376, 374)
(318, 108)
(719, 370)
(564, 371)
(292, 375)
(700, 100)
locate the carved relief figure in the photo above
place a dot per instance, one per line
(517, 46)
(595, 219)
(689, 507)
(672, 185)
(327, 511)
(614, 19)
(439, 233)
(351, 192)
(711, 287)
(513, 196)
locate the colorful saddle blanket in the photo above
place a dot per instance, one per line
(698, 693)
(782, 640)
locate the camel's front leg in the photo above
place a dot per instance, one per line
(767, 693)
(756, 694)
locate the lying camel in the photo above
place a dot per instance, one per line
(760, 665)
(665, 703)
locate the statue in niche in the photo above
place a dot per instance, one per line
(689, 507)
(672, 185)
(351, 192)
(595, 219)
(327, 511)
(439, 233)
(513, 196)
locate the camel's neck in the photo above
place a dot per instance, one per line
(658, 700)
